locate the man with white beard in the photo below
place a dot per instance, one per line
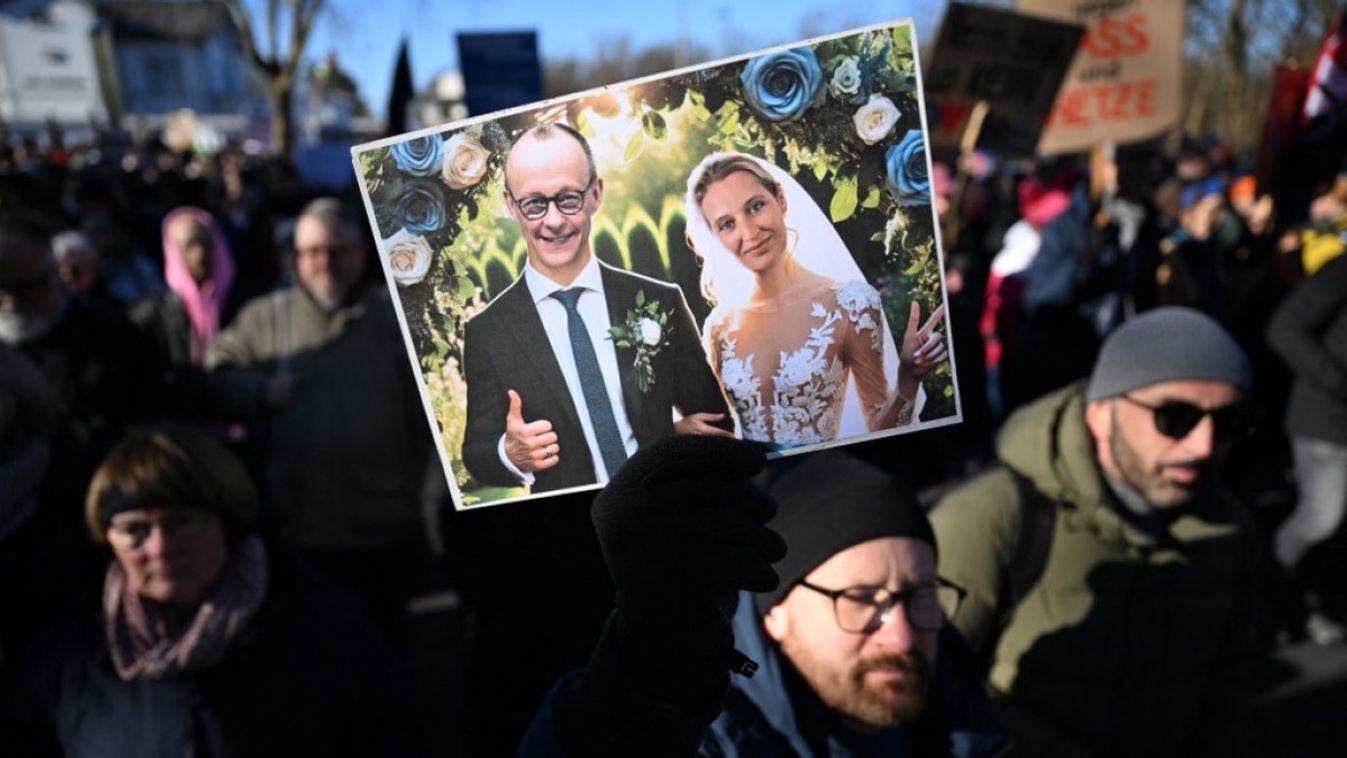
(319, 374)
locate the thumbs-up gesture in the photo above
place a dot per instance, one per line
(530, 446)
(923, 349)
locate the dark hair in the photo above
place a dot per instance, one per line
(172, 466)
(722, 168)
(548, 131)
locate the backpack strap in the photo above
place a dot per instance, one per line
(1033, 541)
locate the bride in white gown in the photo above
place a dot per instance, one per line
(794, 319)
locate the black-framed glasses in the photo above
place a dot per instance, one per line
(1176, 419)
(569, 202)
(862, 610)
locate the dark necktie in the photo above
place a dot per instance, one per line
(591, 384)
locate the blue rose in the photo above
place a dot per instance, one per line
(905, 168)
(421, 207)
(420, 156)
(781, 86)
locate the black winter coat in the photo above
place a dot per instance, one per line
(310, 678)
(1309, 332)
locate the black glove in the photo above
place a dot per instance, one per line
(682, 529)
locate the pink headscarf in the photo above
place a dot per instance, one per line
(205, 301)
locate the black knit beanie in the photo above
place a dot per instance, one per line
(829, 502)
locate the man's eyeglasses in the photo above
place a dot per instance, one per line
(132, 533)
(862, 610)
(1176, 419)
(569, 202)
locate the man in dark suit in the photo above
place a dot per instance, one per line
(553, 400)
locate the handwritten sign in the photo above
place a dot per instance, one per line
(1125, 83)
(1012, 62)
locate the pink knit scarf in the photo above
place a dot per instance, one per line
(149, 640)
(205, 301)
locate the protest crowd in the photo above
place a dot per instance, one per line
(199, 357)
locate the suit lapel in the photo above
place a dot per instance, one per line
(532, 346)
(620, 294)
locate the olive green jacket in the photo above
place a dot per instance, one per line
(1130, 643)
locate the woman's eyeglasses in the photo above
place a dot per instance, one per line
(1176, 419)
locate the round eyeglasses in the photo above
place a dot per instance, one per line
(569, 202)
(863, 610)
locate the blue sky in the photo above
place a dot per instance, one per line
(366, 43)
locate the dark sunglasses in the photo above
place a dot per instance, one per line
(1177, 419)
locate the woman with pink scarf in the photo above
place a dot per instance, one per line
(199, 270)
(208, 640)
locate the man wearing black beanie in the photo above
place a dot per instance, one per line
(1110, 579)
(847, 654)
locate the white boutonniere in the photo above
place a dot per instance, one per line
(646, 330)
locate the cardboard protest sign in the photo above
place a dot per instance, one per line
(1126, 82)
(1012, 62)
(741, 248)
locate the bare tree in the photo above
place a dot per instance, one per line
(1231, 47)
(279, 62)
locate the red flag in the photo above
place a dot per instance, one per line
(1283, 117)
(1328, 78)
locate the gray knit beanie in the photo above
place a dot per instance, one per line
(1166, 345)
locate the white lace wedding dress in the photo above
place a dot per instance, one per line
(785, 369)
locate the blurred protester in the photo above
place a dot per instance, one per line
(128, 275)
(1193, 256)
(1110, 581)
(1309, 331)
(1325, 235)
(1095, 266)
(184, 319)
(839, 669)
(76, 264)
(97, 363)
(319, 373)
(29, 546)
(1002, 321)
(208, 642)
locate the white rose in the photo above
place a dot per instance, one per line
(846, 78)
(408, 257)
(464, 161)
(876, 119)
(650, 332)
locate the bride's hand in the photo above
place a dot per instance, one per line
(923, 349)
(701, 424)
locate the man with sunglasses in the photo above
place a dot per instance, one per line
(554, 400)
(849, 653)
(1109, 578)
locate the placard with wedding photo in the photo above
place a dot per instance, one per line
(746, 248)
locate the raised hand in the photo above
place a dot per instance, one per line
(530, 446)
(923, 347)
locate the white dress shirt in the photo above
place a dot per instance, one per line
(593, 308)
